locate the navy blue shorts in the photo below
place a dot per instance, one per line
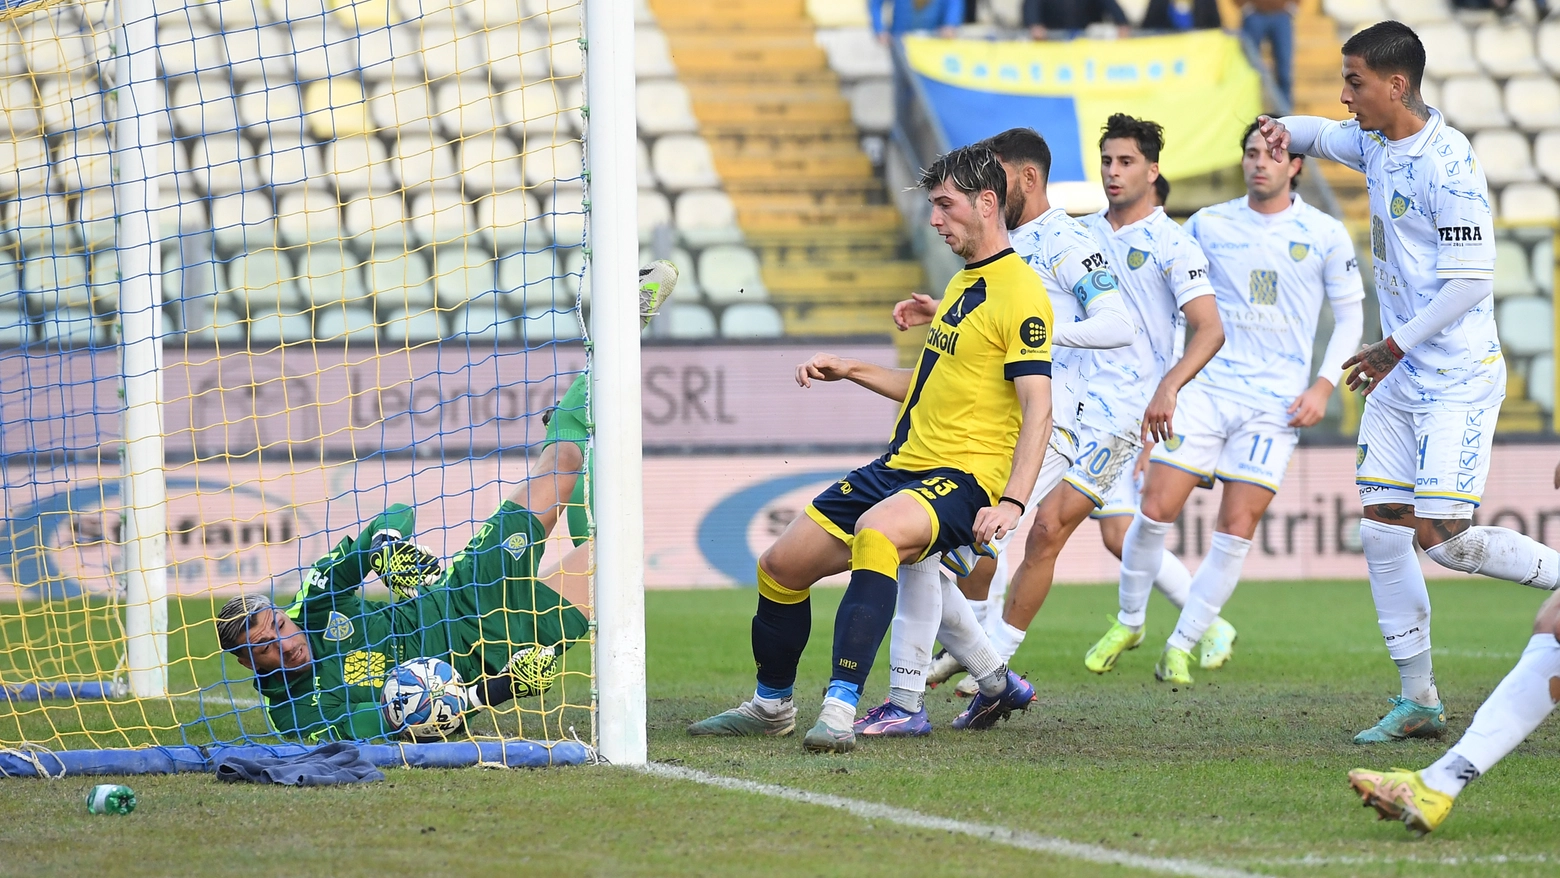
(951, 497)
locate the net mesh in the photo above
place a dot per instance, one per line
(371, 225)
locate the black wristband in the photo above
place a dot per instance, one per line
(1006, 499)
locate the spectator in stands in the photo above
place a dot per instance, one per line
(916, 15)
(1273, 21)
(1044, 16)
(1182, 15)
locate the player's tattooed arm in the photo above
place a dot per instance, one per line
(1372, 364)
(918, 310)
(892, 383)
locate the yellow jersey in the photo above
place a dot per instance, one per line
(994, 324)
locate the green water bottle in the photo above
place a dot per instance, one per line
(110, 798)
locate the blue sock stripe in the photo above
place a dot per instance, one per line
(845, 691)
(773, 692)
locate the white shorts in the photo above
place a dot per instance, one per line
(1123, 497)
(1437, 460)
(1218, 437)
(1103, 459)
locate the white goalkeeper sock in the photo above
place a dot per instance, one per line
(1142, 551)
(1500, 553)
(1174, 580)
(1211, 588)
(1397, 585)
(1511, 713)
(917, 616)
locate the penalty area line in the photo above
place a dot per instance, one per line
(984, 831)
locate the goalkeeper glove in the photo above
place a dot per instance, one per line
(403, 565)
(532, 670)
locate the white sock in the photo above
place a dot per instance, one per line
(1418, 679)
(837, 714)
(1174, 580)
(1397, 585)
(917, 616)
(994, 683)
(1211, 588)
(1006, 639)
(964, 639)
(1142, 551)
(771, 706)
(1509, 715)
(1501, 553)
(996, 595)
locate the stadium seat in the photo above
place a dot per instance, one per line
(572, 277)
(307, 215)
(268, 329)
(489, 163)
(652, 57)
(201, 104)
(243, 220)
(532, 108)
(571, 100)
(560, 15)
(516, 57)
(542, 325)
(376, 220)
(270, 110)
(654, 211)
(24, 165)
(831, 13)
(330, 273)
(530, 277)
(102, 281)
(390, 53)
(514, 220)
(1472, 103)
(545, 163)
(1448, 50)
(1417, 12)
(1529, 203)
(321, 49)
(402, 107)
(855, 53)
(1353, 13)
(1546, 154)
(1549, 45)
(360, 165)
(336, 108)
(664, 107)
(1543, 260)
(1505, 48)
(414, 326)
(1527, 325)
(224, 163)
(484, 320)
(1511, 269)
(563, 215)
(1430, 90)
(1505, 156)
(494, 13)
(205, 322)
(69, 105)
(447, 52)
(423, 160)
(82, 162)
(751, 320)
(95, 210)
(731, 274)
(440, 216)
(40, 222)
(52, 50)
(1541, 381)
(465, 108)
(1533, 102)
(259, 54)
(642, 160)
(872, 105)
(232, 15)
(263, 279)
(56, 281)
(683, 161)
(401, 280)
(461, 272)
(340, 322)
(568, 59)
(289, 160)
(687, 321)
(185, 48)
(707, 216)
(19, 107)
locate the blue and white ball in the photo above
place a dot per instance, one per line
(423, 698)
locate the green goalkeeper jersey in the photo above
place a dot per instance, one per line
(486, 604)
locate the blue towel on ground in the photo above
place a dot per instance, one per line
(334, 763)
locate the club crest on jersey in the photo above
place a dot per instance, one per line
(1174, 442)
(516, 544)
(1136, 258)
(1298, 251)
(1264, 287)
(1399, 204)
(1032, 332)
(1359, 455)
(337, 627)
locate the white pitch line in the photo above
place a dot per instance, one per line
(236, 702)
(1470, 860)
(986, 832)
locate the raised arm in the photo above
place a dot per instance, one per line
(892, 383)
(1314, 136)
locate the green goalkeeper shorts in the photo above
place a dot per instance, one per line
(570, 423)
(492, 602)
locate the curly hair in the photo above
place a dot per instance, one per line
(1150, 136)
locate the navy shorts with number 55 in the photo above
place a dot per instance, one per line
(951, 497)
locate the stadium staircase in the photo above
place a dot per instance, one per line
(832, 247)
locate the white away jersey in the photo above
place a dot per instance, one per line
(1429, 222)
(1159, 269)
(1270, 272)
(1075, 272)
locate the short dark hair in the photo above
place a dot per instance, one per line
(1390, 47)
(971, 169)
(1294, 181)
(1150, 136)
(1021, 145)
(1162, 189)
(234, 618)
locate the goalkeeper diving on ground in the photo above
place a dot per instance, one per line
(320, 660)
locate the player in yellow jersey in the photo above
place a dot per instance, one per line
(974, 418)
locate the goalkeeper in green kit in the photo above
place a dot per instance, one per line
(320, 662)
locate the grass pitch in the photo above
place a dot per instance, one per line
(1244, 769)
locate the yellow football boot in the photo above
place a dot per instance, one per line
(1402, 795)
(1102, 656)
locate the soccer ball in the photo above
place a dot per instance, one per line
(423, 698)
